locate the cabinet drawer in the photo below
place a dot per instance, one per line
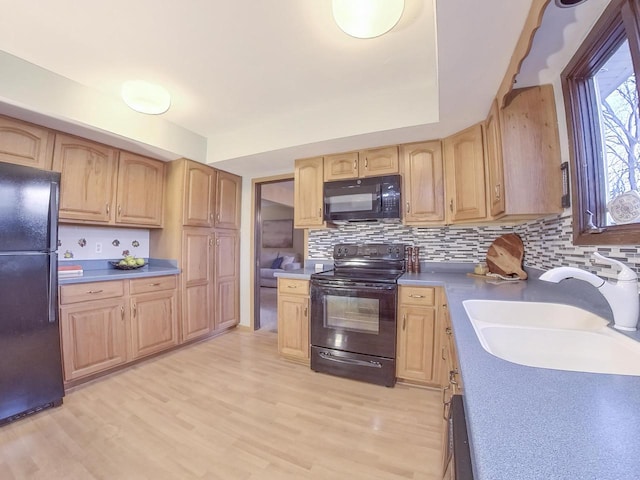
(84, 292)
(417, 295)
(290, 286)
(152, 284)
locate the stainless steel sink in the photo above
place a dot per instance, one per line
(549, 335)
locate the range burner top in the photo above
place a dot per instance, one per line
(372, 263)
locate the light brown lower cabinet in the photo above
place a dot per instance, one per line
(418, 340)
(107, 324)
(293, 319)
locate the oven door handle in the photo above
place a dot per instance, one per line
(369, 287)
(350, 361)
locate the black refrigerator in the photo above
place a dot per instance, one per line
(30, 360)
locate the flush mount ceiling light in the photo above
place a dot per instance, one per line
(367, 18)
(145, 97)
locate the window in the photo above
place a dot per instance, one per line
(601, 99)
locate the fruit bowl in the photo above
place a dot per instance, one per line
(125, 267)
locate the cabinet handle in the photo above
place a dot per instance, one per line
(408, 207)
(292, 286)
(448, 331)
(95, 291)
(211, 242)
(217, 242)
(154, 284)
(445, 413)
(211, 215)
(355, 165)
(135, 309)
(122, 313)
(320, 212)
(107, 208)
(452, 377)
(305, 311)
(451, 205)
(416, 296)
(442, 354)
(218, 217)
(119, 209)
(404, 322)
(497, 189)
(366, 163)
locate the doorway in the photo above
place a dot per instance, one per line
(277, 246)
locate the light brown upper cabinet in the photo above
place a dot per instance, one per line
(140, 192)
(367, 163)
(494, 162)
(307, 191)
(422, 183)
(530, 156)
(88, 184)
(25, 144)
(465, 176)
(198, 192)
(228, 189)
(94, 189)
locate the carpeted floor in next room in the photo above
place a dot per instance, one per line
(268, 309)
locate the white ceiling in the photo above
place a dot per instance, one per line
(268, 81)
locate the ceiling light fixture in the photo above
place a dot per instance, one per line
(145, 97)
(367, 18)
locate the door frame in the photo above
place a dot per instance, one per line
(256, 241)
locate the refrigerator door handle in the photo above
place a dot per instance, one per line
(54, 205)
(52, 299)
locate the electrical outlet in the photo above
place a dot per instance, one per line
(98, 247)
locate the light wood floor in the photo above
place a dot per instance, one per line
(228, 408)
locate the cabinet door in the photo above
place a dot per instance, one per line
(464, 167)
(493, 157)
(228, 189)
(417, 344)
(227, 286)
(140, 190)
(197, 283)
(154, 322)
(25, 144)
(293, 326)
(379, 161)
(93, 337)
(88, 179)
(341, 166)
(423, 183)
(199, 195)
(307, 191)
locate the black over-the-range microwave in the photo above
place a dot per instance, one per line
(362, 199)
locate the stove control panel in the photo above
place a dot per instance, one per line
(380, 251)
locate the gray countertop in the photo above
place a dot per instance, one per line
(535, 423)
(100, 270)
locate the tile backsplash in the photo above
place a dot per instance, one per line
(547, 243)
(78, 242)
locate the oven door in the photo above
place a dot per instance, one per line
(355, 317)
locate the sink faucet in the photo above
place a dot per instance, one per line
(622, 295)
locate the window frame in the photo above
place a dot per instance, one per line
(619, 21)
